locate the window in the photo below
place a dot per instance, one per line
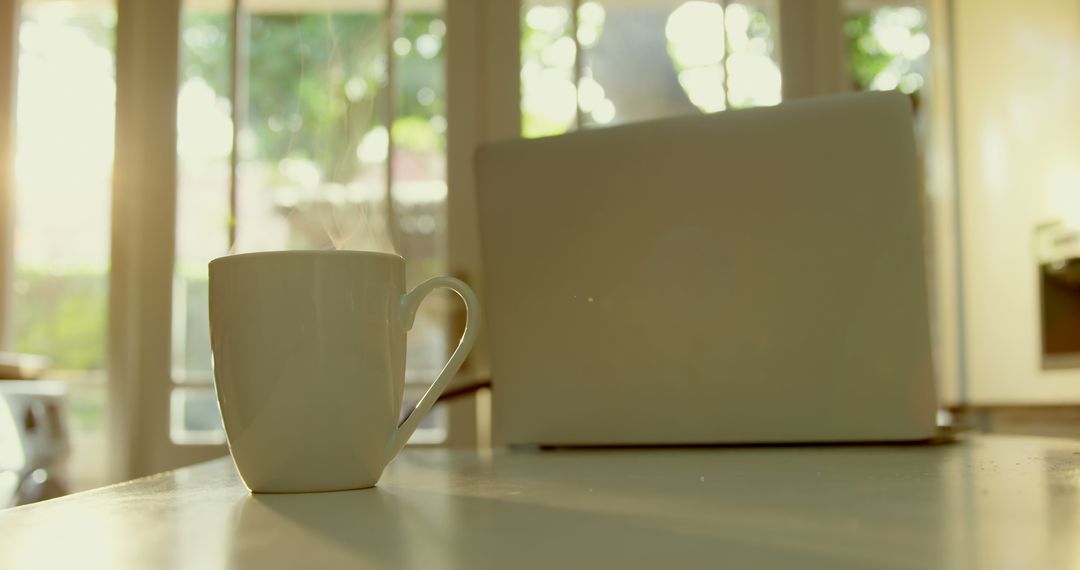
(887, 48)
(203, 214)
(688, 57)
(61, 218)
(340, 144)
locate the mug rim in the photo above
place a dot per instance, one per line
(306, 253)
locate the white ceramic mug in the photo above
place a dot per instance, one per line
(309, 362)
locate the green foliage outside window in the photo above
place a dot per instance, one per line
(887, 48)
(62, 316)
(316, 85)
(317, 82)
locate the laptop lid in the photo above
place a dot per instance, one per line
(748, 276)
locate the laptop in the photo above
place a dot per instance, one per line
(753, 276)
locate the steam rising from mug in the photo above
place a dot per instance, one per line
(328, 217)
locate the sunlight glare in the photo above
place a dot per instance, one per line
(887, 80)
(551, 95)
(591, 16)
(65, 116)
(374, 147)
(547, 18)
(560, 53)
(705, 87)
(695, 34)
(737, 26)
(604, 112)
(203, 122)
(300, 171)
(755, 80)
(590, 94)
(917, 46)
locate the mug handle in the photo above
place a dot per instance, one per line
(409, 303)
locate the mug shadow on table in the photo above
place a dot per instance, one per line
(406, 528)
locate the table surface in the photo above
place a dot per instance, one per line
(982, 502)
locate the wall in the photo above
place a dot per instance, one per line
(1017, 88)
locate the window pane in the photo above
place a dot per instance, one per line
(314, 145)
(194, 417)
(887, 48)
(63, 171)
(548, 95)
(433, 428)
(62, 213)
(612, 33)
(204, 144)
(418, 136)
(688, 57)
(753, 76)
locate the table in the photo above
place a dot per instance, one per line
(983, 502)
